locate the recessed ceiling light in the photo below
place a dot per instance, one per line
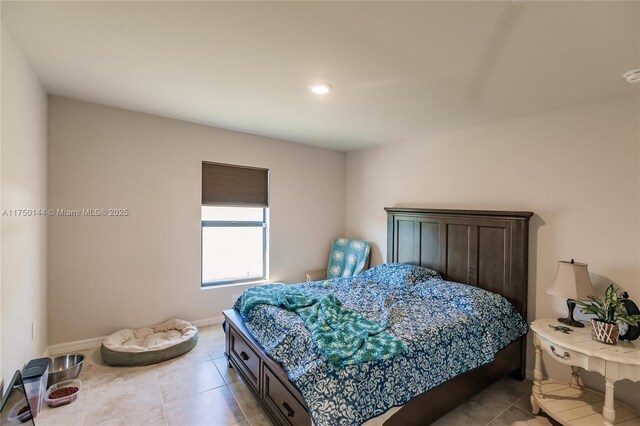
(632, 76)
(320, 88)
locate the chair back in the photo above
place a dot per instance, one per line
(348, 258)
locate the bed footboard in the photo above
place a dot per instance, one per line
(263, 376)
(285, 406)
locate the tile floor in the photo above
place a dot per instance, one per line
(199, 389)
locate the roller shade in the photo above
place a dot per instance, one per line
(231, 185)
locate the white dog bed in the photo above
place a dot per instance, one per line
(149, 345)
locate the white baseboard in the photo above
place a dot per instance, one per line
(68, 347)
(78, 345)
(529, 374)
(207, 321)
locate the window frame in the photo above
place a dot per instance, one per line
(236, 224)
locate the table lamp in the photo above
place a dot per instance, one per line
(572, 282)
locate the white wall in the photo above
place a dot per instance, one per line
(23, 171)
(112, 272)
(577, 169)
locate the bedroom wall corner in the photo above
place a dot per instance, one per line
(23, 318)
(103, 157)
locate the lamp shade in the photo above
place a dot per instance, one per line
(572, 281)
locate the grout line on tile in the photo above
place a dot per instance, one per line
(164, 409)
(159, 387)
(541, 413)
(86, 404)
(501, 413)
(84, 413)
(119, 416)
(202, 391)
(508, 399)
(237, 400)
(526, 412)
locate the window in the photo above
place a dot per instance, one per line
(235, 207)
(234, 244)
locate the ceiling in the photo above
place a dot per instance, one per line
(400, 70)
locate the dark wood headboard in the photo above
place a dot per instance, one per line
(487, 249)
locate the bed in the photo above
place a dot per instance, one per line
(483, 249)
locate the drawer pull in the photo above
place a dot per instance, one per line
(244, 356)
(288, 409)
(566, 354)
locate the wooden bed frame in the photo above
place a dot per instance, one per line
(488, 249)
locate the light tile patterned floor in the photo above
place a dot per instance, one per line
(199, 389)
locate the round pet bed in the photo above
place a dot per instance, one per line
(149, 345)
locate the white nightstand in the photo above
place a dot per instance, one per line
(570, 403)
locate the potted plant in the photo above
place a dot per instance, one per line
(608, 312)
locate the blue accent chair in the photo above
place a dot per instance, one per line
(346, 259)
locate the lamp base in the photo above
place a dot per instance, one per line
(571, 305)
(571, 322)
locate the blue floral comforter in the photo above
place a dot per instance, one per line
(449, 329)
(343, 335)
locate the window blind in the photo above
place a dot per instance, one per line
(231, 185)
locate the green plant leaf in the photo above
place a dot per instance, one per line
(629, 319)
(610, 294)
(609, 310)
